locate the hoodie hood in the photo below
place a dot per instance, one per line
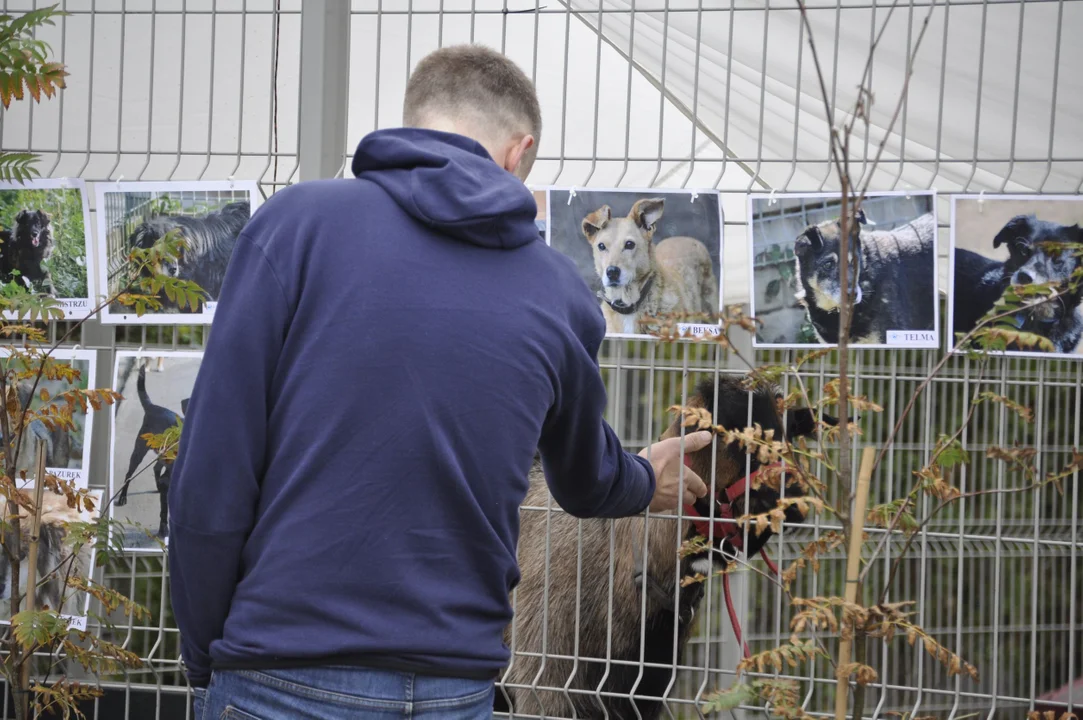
(450, 183)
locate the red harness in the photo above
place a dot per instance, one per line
(725, 525)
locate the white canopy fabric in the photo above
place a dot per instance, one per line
(993, 82)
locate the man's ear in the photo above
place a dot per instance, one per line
(513, 158)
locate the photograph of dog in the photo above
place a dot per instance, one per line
(67, 450)
(795, 271)
(139, 477)
(208, 217)
(541, 197)
(43, 240)
(650, 256)
(1001, 241)
(551, 625)
(56, 559)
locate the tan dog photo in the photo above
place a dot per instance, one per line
(648, 257)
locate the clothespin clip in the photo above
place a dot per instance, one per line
(695, 196)
(771, 200)
(981, 202)
(230, 178)
(571, 194)
(118, 180)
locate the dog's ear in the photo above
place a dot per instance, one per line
(811, 239)
(22, 216)
(647, 212)
(596, 221)
(1016, 233)
(862, 218)
(800, 422)
(45, 217)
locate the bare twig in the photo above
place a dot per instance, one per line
(936, 371)
(898, 516)
(943, 504)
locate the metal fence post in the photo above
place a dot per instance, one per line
(325, 53)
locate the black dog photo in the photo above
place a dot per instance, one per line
(43, 241)
(1003, 241)
(795, 271)
(67, 450)
(648, 255)
(156, 388)
(208, 216)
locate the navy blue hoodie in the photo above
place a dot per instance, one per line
(388, 352)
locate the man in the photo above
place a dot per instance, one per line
(388, 353)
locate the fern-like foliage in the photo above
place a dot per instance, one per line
(24, 60)
(17, 166)
(25, 68)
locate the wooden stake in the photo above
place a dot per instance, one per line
(853, 568)
(23, 694)
(35, 532)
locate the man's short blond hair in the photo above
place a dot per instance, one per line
(479, 87)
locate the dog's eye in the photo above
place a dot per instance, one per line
(601, 246)
(629, 245)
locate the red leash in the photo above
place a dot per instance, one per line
(726, 527)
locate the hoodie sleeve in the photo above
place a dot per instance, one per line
(216, 477)
(587, 470)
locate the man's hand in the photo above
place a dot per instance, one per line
(665, 458)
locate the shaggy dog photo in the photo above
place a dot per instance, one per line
(43, 241)
(999, 242)
(140, 478)
(204, 217)
(25, 250)
(55, 558)
(647, 256)
(63, 446)
(795, 279)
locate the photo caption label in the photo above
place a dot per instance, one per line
(911, 338)
(699, 330)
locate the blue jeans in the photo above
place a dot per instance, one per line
(328, 693)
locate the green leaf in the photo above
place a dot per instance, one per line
(38, 628)
(952, 452)
(17, 167)
(729, 699)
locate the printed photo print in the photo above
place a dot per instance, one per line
(541, 197)
(653, 257)
(156, 387)
(795, 271)
(67, 450)
(1002, 243)
(56, 561)
(43, 241)
(208, 216)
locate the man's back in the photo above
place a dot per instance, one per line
(364, 435)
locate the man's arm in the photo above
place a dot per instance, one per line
(588, 472)
(215, 483)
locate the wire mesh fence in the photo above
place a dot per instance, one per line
(662, 93)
